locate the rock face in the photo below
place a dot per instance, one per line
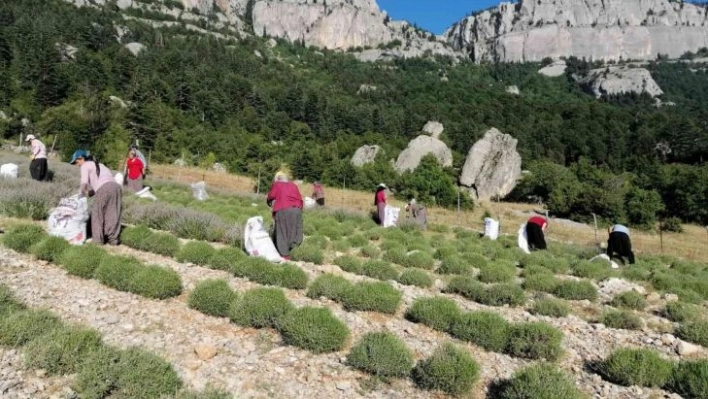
(554, 70)
(530, 30)
(492, 166)
(618, 80)
(419, 147)
(434, 129)
(335, 24)
(365, 154)
(135, 48)
(332, 24)
(513, 90)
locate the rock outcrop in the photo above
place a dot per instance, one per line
(67, 52)
(619, 80)
(365, 154)
(433, 128)
(335, 24)
(554, 70)
(513, 90)
(492, 166)
(344, 24)
(410, 158)
(530, 30)
(135, 48)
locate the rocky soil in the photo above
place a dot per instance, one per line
(253, 363)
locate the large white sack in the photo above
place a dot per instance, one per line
(491, 228)
(257, 241)
(523, 239)
(145, 193)
(199, 191)
(9, 171)
(309, 202)
(119, 178)
(68, 220)
(606, 258)
(391, 216)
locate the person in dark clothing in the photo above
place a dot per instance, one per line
(619, 245)
(38, 166)
(534, 232)
(286, 200)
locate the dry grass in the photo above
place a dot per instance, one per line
(691, 244)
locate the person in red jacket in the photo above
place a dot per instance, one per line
(380, 202)
(134, 171)
(318, 193)
(285, 199)
(534, 232)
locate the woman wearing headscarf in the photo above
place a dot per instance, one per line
(380, 202)
(134, 171)
(285, 199)
(619, 245)
(97, 181)
(38, 152)
(534, 232)
(318, 193)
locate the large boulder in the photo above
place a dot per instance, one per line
(365, 154)
(419, 147)
(554, 70)
(135, 48)
(492, 166)
(434, 129)
(620, 80)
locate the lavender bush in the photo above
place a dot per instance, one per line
(26, 198)
(182, 222)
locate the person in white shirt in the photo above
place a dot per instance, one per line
(38, 153)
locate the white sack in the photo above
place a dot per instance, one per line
(199, 191)
(9, 171)
(606, 258)
(258, 242)
(145, 193)
(491, 228)
(523, 239)
(309, 202)
(119, 178)
(391, 216)
(68, 220)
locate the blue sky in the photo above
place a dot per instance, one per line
(433, 15)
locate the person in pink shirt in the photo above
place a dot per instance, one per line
(38, 152)
(97, 181)
(318, 193)
(380, 202)
(285, 199)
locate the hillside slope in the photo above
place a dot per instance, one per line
(198, 91)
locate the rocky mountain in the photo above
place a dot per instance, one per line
(530, 30)
(330, 24)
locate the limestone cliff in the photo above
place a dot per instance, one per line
(331, 24)
(530, 30)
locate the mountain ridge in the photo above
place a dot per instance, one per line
(593, 29)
